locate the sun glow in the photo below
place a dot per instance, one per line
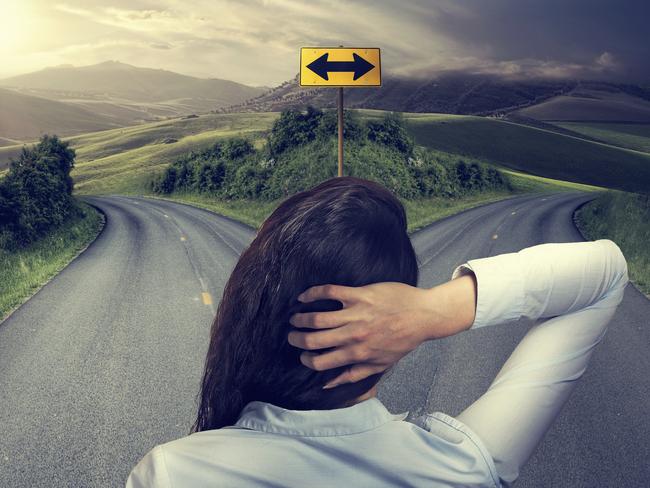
(16, 28)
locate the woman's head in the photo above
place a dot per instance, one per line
(345, 231)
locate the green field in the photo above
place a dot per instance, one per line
(26, 270)
(122, 160)
(631, 136)
(535, 151)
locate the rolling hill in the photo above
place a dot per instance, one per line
(631, 136)
(113, 93)
(535, 151)
(590, 106)
(468, 94)
(25, 117)
(122, 160)
(455, 93)
(115, 80)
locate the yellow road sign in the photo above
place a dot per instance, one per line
(340, 66)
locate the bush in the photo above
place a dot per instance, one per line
(302, 151)
(207, 170)
(210, 176)
(293, 129)
(391, 132)
(353, 128)
(36, 194)
(433, 179)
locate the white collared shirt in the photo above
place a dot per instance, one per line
(574, 287)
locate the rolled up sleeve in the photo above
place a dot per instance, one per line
(576, 287)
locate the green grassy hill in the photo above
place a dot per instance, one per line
(535, 151)
(630, 136)
(121, 160)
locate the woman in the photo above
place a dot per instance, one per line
(272, 414)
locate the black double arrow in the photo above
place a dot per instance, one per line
(358, 66)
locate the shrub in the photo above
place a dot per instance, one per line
(207, 170)
(36, 194)
(210, 176)
(391, 131)
(302, 151)
(293, 128)
(353, 128)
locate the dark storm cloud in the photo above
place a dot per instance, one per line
(604, 37)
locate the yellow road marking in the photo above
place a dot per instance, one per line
(183, 238)
(495, 236)
(207, 299)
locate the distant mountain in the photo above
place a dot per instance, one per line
(118, 94)
(115, 80)
(454, 93)
(25, 117)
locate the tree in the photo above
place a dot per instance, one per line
(293, 128)
(391, 131)
(36, 194)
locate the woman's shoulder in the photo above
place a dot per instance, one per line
(164, 461)
(453, 440)
(214, 438)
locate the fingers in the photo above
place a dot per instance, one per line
(355, 373)
(321, 339)
(322, 320)
(341, 293)
(328, 360)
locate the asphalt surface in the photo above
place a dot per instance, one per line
(104, 362)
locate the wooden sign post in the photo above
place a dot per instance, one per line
(340, 67)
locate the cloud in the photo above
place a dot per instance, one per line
(586, 37)
(257, 41)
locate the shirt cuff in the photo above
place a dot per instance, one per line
(500, 288)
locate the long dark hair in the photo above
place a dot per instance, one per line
(345, 231)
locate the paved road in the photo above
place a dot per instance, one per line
(104, 362)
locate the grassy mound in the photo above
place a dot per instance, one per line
(534, 151)
(631, 136)
(121, 160)
(301, 152)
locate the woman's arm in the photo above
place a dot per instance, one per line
(576, 286)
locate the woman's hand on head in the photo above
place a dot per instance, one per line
(377, 326)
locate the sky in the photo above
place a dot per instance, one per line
(257, 42)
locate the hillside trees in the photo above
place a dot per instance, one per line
(301, 152)
(36, 194)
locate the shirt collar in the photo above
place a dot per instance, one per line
(366, 415)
